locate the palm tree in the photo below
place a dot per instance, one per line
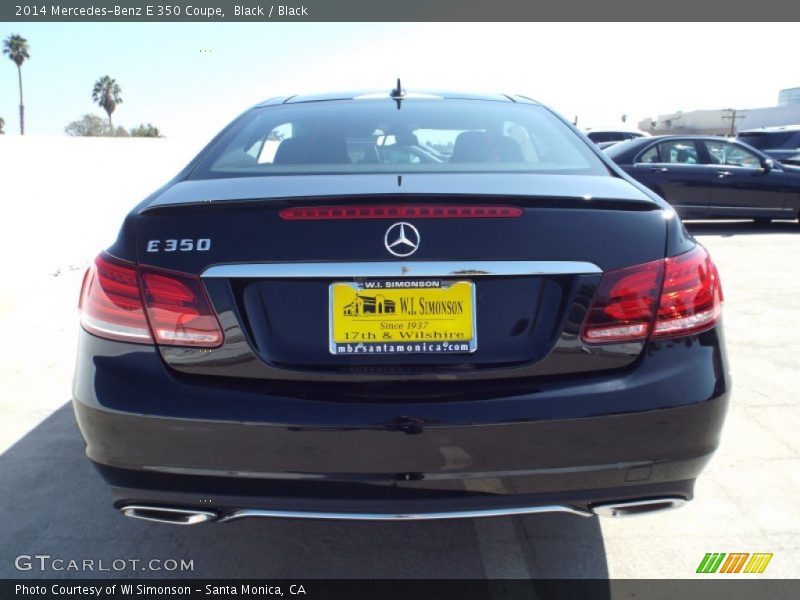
(16, 48)
(106, 93)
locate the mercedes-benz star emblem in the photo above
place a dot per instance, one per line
(402, 239)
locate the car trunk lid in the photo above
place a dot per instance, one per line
(523, 279)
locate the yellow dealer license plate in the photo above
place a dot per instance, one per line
(402, 317)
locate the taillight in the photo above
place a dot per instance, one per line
(121, 301)
(111, 306)
(691, 299)
(180, 314)
(675, 296)
(396, 211)
(624, 304)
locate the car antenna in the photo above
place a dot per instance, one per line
(397, 94)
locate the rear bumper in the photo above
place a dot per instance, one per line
(161, 439)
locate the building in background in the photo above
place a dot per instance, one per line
(789, 96)
(727, 121)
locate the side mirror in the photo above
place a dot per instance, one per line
(768, 165)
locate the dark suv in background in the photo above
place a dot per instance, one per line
(781, 143)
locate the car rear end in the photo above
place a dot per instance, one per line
(401, 342)
(780, 143)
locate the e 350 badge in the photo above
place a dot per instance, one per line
(184, 245)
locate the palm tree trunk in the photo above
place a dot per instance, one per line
(110, 125)
(21, 104)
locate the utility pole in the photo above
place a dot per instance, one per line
(734, 116)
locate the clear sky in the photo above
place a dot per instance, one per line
(190, 79)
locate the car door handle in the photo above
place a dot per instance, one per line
(659, 169)
(722, 174)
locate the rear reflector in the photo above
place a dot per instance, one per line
(121, 301)
(675, 296)
(395, 211)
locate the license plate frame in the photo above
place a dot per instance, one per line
(462, 289)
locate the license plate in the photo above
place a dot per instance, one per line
(402, 317)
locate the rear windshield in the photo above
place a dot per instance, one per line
(375, 136)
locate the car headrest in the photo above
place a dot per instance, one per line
(406, 139)
(482, 146)
(322, 149)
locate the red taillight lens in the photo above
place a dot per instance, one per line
(180, 314)
(624, 304)
(676, 296)
(122, 302)
(396, 211)
(110, 303)
(691, 299)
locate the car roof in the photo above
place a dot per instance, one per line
(387, 94)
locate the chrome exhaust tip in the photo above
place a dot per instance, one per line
(637, 507)
(168, 514)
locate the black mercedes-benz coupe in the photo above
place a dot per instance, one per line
(705, 177)
(400, 306)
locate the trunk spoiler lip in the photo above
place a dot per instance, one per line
(562, 202)
(586, 191)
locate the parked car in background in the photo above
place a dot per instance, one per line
(416, 306)
(612, 135)
(712, 177)
(781, 143)
(604, 145)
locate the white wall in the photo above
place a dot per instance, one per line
(64, 198)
